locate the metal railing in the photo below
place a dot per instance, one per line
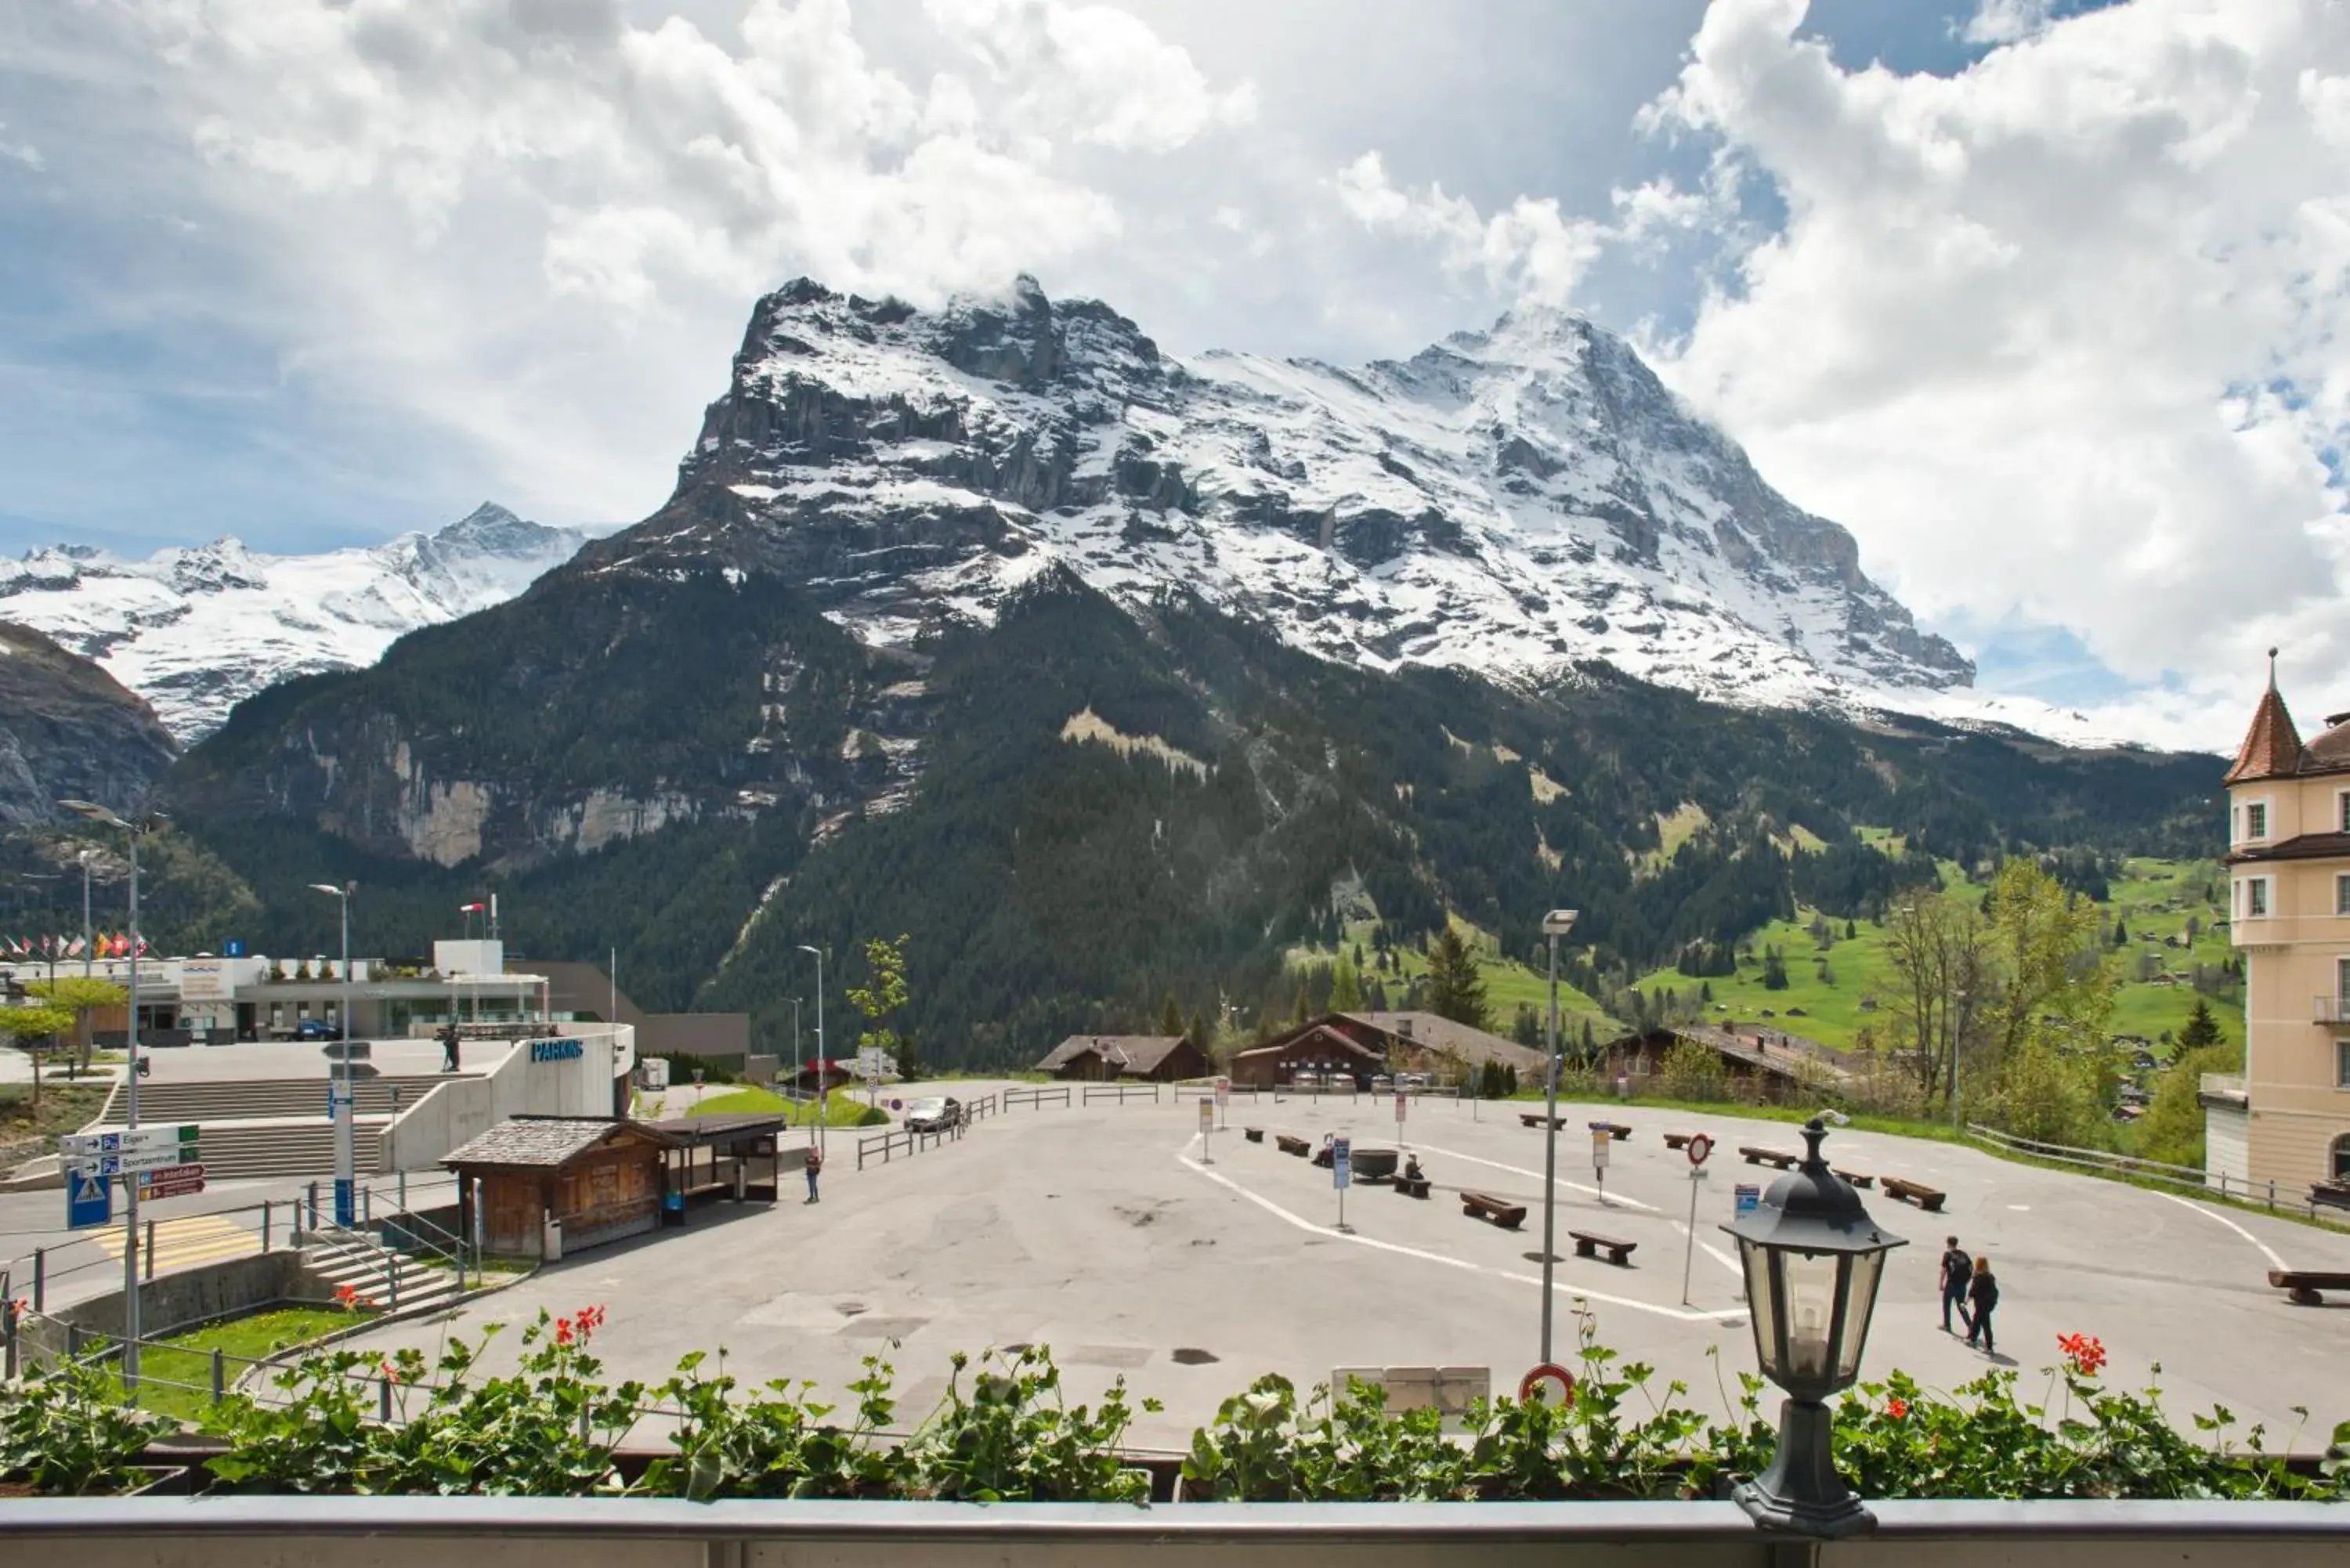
(1121, 1093)
(1035, 1098)
(2217, 1183)
(2329, 1009)
(881, 1147)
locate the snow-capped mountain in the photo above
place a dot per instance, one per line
(1507, 500)
(195, 630)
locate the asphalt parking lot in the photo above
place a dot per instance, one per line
(1108, 1232)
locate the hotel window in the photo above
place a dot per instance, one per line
(2256, 819)
(2342, 808)
(2341, 1064)
(2256, 896)
(2342, 895)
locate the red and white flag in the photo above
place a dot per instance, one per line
(470, 908)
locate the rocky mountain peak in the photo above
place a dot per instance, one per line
(1512, 500)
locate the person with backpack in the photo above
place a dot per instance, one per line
(1957, 1269)
(814, 1164)
(1982, 1295)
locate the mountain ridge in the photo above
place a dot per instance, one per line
(196, 628)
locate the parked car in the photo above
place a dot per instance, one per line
(933, 1116)
(317, 1029)
(1381, 1084)
(1305, 1080)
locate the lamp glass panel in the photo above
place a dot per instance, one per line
(1860, 1300)
(1809, 1309)
(1763, 1308)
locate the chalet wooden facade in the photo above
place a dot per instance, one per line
(551, 1186)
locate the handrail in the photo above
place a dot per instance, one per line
(2245, 1189)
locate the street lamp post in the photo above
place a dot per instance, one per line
(339, 1096)
(131, 1232)
(823, 1090)
(89, 932)
(1556, 924)
(1814, 1260)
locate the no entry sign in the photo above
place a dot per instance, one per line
(1699, 1147)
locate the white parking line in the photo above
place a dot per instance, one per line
(1710, 1251)
(1617, 1200)
(1727, 1317)
(2274, 1261)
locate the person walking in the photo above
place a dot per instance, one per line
(814, 1164)
(1957, 1269)
(1982, 1295)
(449, 1045)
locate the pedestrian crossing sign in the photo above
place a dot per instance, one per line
(90, 1199)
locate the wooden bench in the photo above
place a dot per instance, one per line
(2300, 1285)
(1678, 1140)
(1924, 1196)
(1483, 1206)
(1411, 1187)
(1255, 1135)
(1858, 1178)
(1615, 1130)
(1777, 1157)
(1557, 1124)
(1288, 1145)
(1618, 1252)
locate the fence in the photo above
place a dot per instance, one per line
(2131, 1167)
(1121, 1093)
(1035, 1097)
(881, 1147)
(211, 1236)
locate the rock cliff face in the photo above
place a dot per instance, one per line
(1508, 501)
(69, 731)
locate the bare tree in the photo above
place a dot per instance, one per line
(1940, 954)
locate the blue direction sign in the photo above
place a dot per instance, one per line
(90, 1199)
(1342, 1162)
(1749, 1199)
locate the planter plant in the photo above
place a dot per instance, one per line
(69, 1434)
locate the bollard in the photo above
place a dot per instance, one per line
(220, 1375)
(383, 1398)
(403, 1193)
(314, 1206)
(40, 1278)
(150, 1271)
(265, 1224)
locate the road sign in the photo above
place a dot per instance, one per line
(136, 1139)
(1600, 1138)
(1699, 1147)
(868, 1063)
(1548, 1384)
(90, 1199)
(1223, 1091)
(1207, 1116)
(1402, 1100)
(149, 1159)
(171, 1173)
(180, 1188)
(1342, 1162)
(1749, 1199)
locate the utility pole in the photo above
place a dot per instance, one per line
(823, 1063)
(338, 1096)
(1556, 924)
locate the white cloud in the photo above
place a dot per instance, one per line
(2005, 21)
(23, 152)
(1092, 71)
(542, 222)
(2063, 335)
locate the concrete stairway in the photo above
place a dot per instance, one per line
(339, 1258)
(274, 1127)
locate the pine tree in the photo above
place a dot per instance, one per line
(1455, 988)
(1850, 930)
(2121, 934)
(1198, 1033)
(1346, 990)
(2201, 1029)
(1171, 1016)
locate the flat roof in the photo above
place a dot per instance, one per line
(701, 1132)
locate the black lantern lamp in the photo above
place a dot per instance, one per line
(1814, 1260)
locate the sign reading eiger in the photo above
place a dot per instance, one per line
(557, 1049)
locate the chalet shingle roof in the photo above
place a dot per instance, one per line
(548, 1141)
(1138, 1054)
(1440, 1034)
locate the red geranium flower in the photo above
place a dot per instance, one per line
(563, 1330)
(1898, 1408)
(2084, 1353)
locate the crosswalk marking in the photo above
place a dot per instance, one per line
(185, 1242)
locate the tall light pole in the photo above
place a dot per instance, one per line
(89, 932)
(339, 1096)
(823, 1092)
(1556, 924)
(798, 1066)
(130, 831)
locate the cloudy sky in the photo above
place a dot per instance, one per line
(2048, 301)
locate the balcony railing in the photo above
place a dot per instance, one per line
(2329, 1009)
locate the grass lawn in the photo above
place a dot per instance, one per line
(1508, 982)
(66, 1106)
(845, 1110)
(175, 1377)
(2153, 900)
